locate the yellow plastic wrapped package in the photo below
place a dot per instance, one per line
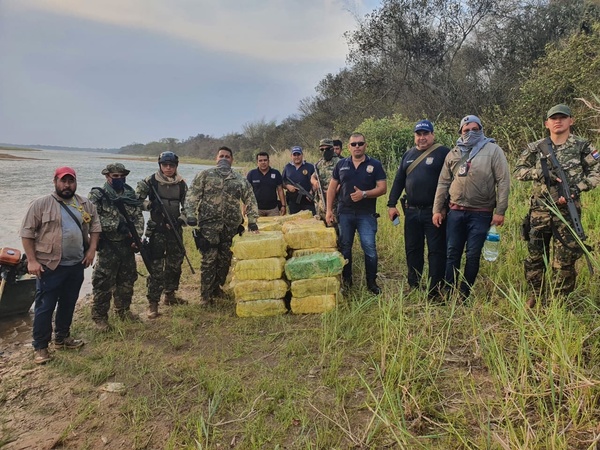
(260, 308)
(315, 286)
(266, 244)
(318, 265)
(313, 304)
(310, 237)
(312, 251)
(304, 223)
(302, 215)
(271, 225)
(259, 269)
(259, 289)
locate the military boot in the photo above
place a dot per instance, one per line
(102, 325)
(153, 310)
(170, 299)
(127, 315)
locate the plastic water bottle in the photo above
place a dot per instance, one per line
(491, 246)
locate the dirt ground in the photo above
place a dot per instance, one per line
(38, 404)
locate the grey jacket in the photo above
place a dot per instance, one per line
(486, 185)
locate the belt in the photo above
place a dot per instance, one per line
(419, 207)
(456, 207)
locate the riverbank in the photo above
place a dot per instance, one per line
(9, 157)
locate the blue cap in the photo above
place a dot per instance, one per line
(424, 125)
(469, 119)
(296, 149)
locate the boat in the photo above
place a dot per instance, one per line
(17, 287)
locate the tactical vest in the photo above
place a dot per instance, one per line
(171, 195)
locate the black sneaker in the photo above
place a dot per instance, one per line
(373, 288)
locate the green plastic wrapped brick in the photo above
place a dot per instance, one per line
(317, 265)
(310, 251)
(315, 286)
(266, 244)
(259, 269)
(260, 308)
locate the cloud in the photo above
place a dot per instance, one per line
(270, 30)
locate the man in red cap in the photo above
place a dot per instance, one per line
(59, 234)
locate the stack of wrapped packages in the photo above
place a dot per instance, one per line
(315, 266)
(258, 283)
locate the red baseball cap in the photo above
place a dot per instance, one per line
(62, 171)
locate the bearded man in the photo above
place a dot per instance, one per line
(59, 234)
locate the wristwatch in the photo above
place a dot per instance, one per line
(364, 194)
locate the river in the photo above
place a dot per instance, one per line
(24, 180)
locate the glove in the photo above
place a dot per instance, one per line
(191, 221)
(252, 227)
(240, 230)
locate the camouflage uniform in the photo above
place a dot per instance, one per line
(579, 160)
(115, 271)
(216, 194)
(325, 169)
(166, 254)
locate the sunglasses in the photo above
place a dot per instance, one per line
(117, 175)
(356, 144)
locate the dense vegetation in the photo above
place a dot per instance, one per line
(506, 60)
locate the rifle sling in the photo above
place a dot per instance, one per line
(421, 157)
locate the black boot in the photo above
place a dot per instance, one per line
(373, 288)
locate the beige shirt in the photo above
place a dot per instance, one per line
(43, 223)
(486, 185)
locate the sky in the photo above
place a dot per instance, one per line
(108, 73)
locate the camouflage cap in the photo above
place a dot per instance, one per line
(325, 143)
(115, 168)
(559, 109)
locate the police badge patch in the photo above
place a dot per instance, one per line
(429, 160)
(273, 176)
(370, 169)
(305, 172)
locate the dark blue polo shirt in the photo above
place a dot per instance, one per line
(265, 187)
(301, 176)
(364, 177)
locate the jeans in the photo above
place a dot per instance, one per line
(419, 228)
(470, 228)
(366, 225)
(60, 286)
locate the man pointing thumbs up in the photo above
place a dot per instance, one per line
(361, 180)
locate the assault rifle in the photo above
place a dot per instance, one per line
(301, 191)
(144, 252)
(320, 187)
(322, 195)
(167, 217)
(566, 193)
